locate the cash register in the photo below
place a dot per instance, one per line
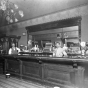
(48, 47)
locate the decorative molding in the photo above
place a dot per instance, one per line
(54, 24)
(70, 13)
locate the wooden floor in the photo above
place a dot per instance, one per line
(17, 83)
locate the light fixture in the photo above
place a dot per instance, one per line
(24, 33)
(10, 10)
(83, 44)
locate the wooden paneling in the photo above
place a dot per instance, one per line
(13, 66)
(58, 73)
(1, 65)
(55, 71)
(55, 24)
(63, 75)
(32, 70)
(70, 34)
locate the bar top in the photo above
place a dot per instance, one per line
(27, 57)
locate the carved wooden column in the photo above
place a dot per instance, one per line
(17, 40)
(79, 25)
(14, 39)
(7, 44)
(27, 36)
(1, 48)
(79, 28)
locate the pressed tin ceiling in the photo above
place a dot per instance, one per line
(36, 8)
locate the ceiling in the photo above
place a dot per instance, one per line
(36, 8)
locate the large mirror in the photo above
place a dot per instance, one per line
(68, 31)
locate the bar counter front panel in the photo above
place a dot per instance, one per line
(47, 70)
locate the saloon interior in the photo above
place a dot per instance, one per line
(52, 39)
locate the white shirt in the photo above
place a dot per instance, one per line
(59, 52)
(10, 50)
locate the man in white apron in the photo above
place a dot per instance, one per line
(59, 52)
(14, 50)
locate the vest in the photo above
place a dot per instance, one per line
(14, 51)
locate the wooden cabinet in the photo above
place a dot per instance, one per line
(52, 71)
(12, 66)
(58, 73)
(1, 65)
(63, 75)
(32, 70)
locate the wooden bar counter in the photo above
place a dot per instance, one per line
(64, 72)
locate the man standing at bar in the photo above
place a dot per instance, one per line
(59, 51)
(14, 49)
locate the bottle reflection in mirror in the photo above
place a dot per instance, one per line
(29, 44)
(83, 48)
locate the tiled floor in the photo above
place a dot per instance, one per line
(13, 82)
(17, 83)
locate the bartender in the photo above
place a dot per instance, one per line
(14, 49)
(59, 51)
